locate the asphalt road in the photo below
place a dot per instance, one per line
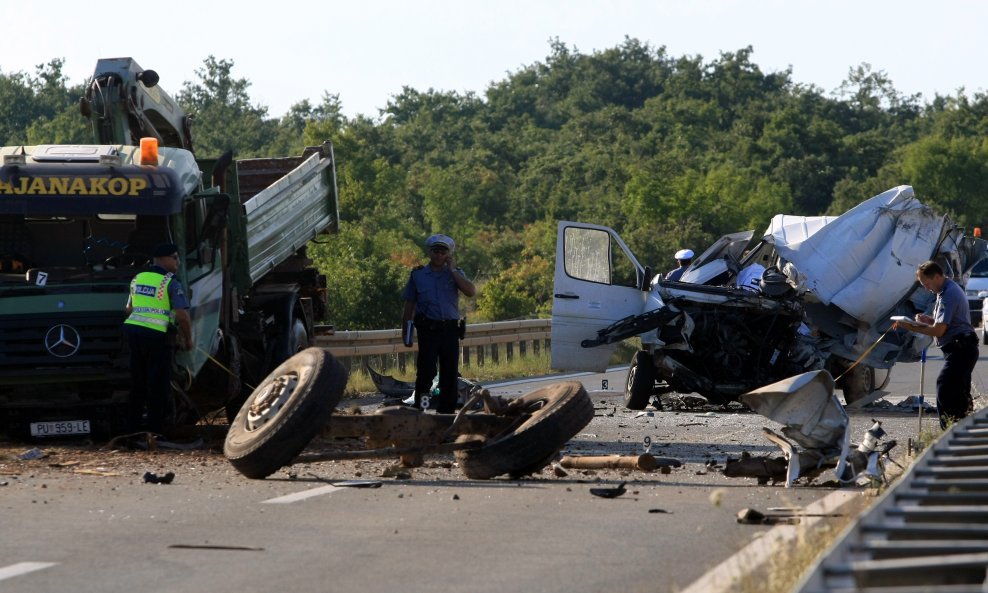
(105, 530)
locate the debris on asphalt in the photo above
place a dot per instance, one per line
(358, 484)
(752, 517)
(643, 462)
(558, 471)
(609, 492)
(214, 547)
(151, 478)
(658, 511)
(96, 472)
(397, 472)
(912, 404)
(32, 454)
(64, 464)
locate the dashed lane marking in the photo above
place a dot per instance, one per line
(21, 568)
(289, 498)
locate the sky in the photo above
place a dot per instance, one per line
(366, 51)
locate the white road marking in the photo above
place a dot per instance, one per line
(16, 570)
(725, 576)
(289, 498)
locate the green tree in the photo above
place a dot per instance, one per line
(223, 115)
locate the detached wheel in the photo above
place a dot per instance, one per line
(640, 385)
(284, 413)
(549, 417)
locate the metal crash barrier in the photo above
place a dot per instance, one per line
(928, 533)
(482, 340)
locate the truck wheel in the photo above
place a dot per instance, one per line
(284, 413)
(549, 417)
(300, 338)
(640, 385)
(858, 383)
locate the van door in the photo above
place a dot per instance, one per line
(597, 282)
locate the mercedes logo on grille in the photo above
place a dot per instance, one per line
(62, 340)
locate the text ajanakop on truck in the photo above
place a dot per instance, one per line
(809, 293)
(78, 222)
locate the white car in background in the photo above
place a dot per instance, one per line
(976, 289)
(984, 317)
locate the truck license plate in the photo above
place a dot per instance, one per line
(62, 427)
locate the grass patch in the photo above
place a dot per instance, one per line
(791, 560)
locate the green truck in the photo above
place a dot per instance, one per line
(78, 222)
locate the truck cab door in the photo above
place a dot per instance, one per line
(597, 282)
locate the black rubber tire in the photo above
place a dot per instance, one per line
(550, 417)
(984, 336)
(640, 384)
(260, 452)
(858, 383)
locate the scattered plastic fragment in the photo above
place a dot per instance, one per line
(609, 492)
(31, 454)
(150, 478)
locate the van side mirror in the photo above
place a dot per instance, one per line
(646, 280)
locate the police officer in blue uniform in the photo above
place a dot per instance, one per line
(431, 298)
(683, 257)
(156, 308)
(950, 326)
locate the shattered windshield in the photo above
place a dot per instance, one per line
(592, 255)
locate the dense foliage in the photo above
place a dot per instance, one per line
(670, 151)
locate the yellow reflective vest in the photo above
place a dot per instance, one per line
(150, 305)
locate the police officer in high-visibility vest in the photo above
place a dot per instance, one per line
(157, 307)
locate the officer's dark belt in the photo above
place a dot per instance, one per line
(426, 324)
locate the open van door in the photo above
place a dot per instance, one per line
(597, 282)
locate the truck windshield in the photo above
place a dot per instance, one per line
(94, 243)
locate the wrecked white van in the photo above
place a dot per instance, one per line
(820, 298)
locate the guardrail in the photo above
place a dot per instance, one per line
(929, 532)
(482, 340)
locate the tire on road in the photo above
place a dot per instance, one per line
(640, 384)
(284, 413)
(549, 418)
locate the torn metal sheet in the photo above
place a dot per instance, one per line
(807, 408)
(810, 413)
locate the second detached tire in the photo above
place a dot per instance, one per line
(551, 416)
(284, 413)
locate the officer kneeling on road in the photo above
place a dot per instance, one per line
(431, 298)
(156, 305)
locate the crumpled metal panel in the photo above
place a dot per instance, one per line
(892, 234)
(806, 406)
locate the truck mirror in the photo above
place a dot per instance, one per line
(216, 215)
